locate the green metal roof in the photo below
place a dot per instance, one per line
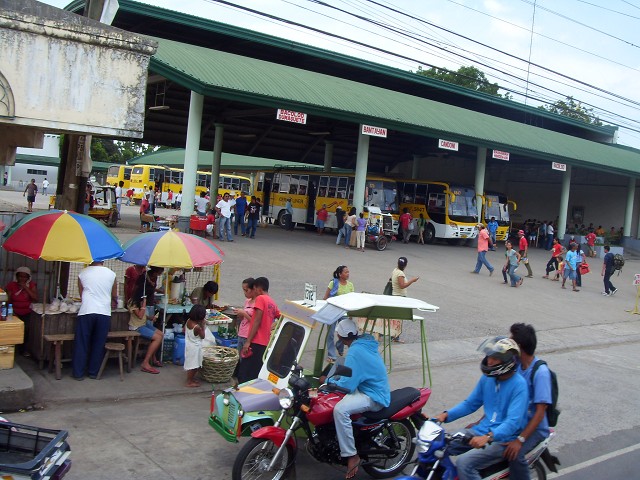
(229, 161)
(227, 76)
(55, 161)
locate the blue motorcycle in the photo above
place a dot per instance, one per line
(434, 461)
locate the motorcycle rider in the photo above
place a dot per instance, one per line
(368, 384)
(537, 428)
(504, 396)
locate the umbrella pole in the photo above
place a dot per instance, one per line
(42, 320)
(164, 316)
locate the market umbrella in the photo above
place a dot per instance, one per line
(63, 236)
(171, 250)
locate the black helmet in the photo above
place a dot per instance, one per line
(504, 349)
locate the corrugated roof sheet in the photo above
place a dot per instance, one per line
(224, 75)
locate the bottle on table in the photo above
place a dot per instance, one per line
(10, 312)
(3, 311)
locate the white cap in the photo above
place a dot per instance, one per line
(347, 328)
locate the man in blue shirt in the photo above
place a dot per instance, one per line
(537, 428)
(241, 207)
(368, 384)
(492, 228)
(607, 270)
(504, 396)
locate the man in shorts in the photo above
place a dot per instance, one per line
(30, 192)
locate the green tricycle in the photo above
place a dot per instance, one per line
(239, 411)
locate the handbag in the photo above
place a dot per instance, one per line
(388, 289)
(584, 268)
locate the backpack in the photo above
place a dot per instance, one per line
(552, 410)
(618, 261)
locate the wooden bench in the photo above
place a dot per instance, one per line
(57, 340)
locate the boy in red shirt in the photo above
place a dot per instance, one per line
(264, 314)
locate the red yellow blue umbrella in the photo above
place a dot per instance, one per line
(171, 250)
(63, 236)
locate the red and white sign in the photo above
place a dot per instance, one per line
(291, 116)
(374, 131)
(497, 154)
(559, 166)
(448, 145)
(636, 280)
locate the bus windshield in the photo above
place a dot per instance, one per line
(497, 207)
(463, 208)
(114, 171)
(383, 195)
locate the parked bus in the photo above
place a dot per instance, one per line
(309, 190)
(117, 173)
(171, 179)
(450, 210)
(497, 205)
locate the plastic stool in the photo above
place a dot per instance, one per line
(113, 350)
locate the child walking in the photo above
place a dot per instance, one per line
(560, 270)
(194, 334)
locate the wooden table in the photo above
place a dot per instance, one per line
(48, 324)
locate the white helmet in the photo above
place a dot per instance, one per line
(503, 348)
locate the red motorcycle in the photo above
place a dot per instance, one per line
(384, 439)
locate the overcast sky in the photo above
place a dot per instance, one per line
(592, 41)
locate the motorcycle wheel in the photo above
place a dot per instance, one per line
(381, 243)
(254, 458)
(537, 471)
(389, 467)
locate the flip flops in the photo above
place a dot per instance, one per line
(149, 370)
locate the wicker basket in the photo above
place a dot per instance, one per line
(218, 363)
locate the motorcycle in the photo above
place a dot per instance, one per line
(434, 462)
(384, 439)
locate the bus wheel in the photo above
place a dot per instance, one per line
(381, 243)
(429, 234)
(280, 219)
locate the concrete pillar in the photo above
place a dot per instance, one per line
(252, 176)
(328, 155)
(10, 172)
(414, 167)
(481, 165)
(360, 182)
(2, 170)
(192, 149)
(215, 164)
(628, 214)
(564, 204)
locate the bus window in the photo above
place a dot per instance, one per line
(421, 194)
(409, 193)
(275, 185)
(293, 185)
(304, 182)
(260, 187)
(333, 182)
(127, 173)
(436, 203)
(342, 187)
(285, 180)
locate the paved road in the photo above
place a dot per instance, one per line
(590, 340)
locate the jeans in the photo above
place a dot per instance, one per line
(519, 468)
(493, 240)
(355, 402)
(239, 221)
(482, 260)
(504, 273)
(345, 232)
(225, 226)
(512, 275)
(88, 346)
(549, 242)
(470, 460)
(526, 264)
(332, 345)
(252, 225)
(552, 265)
(608, 286)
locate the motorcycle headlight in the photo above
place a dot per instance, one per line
(285, 397)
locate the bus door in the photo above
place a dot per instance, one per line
(266, 194)
(312, 190)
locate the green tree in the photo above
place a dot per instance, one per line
(572, 108)
(119, 152)
(468, 77)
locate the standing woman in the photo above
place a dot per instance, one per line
(422, 223)
(513, 259)
(22, 293)
(400, 283)
(339, 285)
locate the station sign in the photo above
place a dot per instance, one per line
(310, 294)
(559, 166)
(448, 144)
(374, 131)
(291, 116)
(498, 155)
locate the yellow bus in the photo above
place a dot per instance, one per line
(450, 209)
(497, 205)
(166, 179)
(309, 190)
(117, 173)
